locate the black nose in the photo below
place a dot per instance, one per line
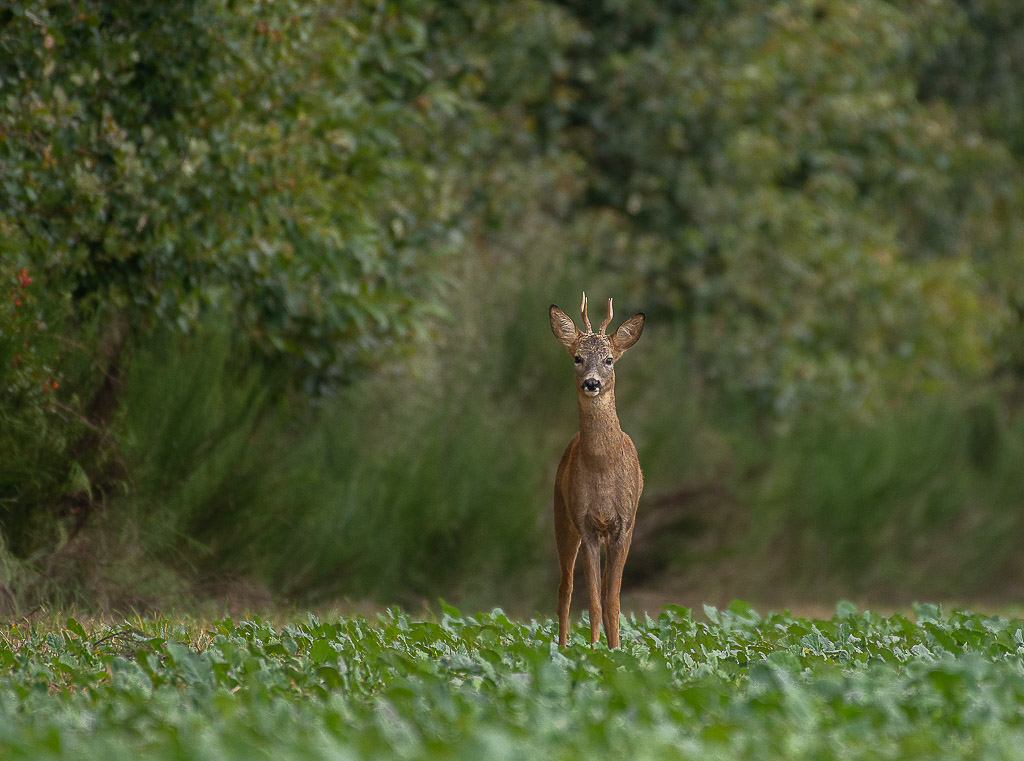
(591, 384)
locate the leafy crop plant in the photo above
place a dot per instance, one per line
(736, 685)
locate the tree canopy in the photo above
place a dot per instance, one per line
(267, 162)
(814, 191)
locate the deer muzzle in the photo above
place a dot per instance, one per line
(591, 386)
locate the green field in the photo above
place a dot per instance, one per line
(729, 684)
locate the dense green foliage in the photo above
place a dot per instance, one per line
(263, 161)
(858, 685)
(278, 169)
(275, 278)
(785, 182)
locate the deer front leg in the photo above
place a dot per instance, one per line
(567, 542)
(565, 594)
(592, 575)
(615, 563)
(566, 561)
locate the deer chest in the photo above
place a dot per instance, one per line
(603, 504)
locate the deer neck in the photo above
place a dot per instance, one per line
(600, 434)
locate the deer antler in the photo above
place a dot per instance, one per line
(606, 319)
(583, 311)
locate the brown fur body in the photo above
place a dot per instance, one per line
(598, 482)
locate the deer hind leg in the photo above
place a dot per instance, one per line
(568, 543)
(614, 563)
(605, 608)
(592, 574)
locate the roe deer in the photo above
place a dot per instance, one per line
(598, 483)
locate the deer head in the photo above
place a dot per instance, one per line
(595, 354)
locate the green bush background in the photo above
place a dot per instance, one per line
(276, 274)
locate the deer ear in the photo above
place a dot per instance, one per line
(628, 333)
(563, 327)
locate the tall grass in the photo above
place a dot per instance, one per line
(435, 478)
(398, 486)
(929, 501)
(414, 497)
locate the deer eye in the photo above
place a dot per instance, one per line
(579, 359)
(608, 361)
